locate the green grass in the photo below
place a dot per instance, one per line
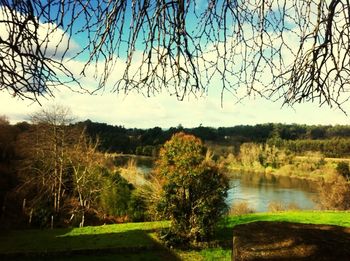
(138, 241)
(339, 218)
(129, 235)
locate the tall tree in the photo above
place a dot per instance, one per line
(194, 191)
(296, 50)
(44, 167)
(51, 143)
(86, 164)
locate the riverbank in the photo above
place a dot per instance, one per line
(139, 241)
(286, 171)
(311, 167)
(299, 169)
(314, 169)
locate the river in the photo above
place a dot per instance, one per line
(259, 190)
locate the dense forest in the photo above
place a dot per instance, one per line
(54, 170)
(332, 141)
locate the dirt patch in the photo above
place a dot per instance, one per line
(290, 241)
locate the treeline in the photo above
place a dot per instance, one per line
(333, 148)
(333, 141)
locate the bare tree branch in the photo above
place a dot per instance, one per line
(295, 50)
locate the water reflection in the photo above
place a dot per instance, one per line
(143, 163)
(259, 190)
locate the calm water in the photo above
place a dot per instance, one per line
(143, 164)
(258, 190)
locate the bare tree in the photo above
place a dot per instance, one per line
(295, 50)
(86, 165)
(59, 163)
(44, 149)
(52, 142)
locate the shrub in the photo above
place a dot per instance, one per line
(194, 191)
(137, 207)
(241, 208)
(343, 169)
(115, 197)
(335, 194)
(41, 214)
(276, 206)
(293, 206)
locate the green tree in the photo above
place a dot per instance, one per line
(343, 169)
(194, 190)
(116, 194)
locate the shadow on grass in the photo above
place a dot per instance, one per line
(224, 232)
(60, 244)
(227, 224)
(290, 241)
(318, 242)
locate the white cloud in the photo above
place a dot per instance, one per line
(163, 110)
(57, 42)
(53, 41)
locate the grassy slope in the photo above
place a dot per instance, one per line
(129, 235)
(309, 217)
(133, 241)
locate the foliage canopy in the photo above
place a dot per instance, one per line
(194, 191)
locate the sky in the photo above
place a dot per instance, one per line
(163, 110)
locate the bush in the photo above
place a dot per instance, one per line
(194, 191)
(41, 214)
(276, 207)
(137, 207)
(293, 206)
(114, 199)
(335, 194)
(343, 169)
(241, 208)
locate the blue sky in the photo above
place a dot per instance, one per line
(135, 110)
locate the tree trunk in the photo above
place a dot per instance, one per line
(82, 219)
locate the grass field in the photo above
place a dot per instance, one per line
(138, 241)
